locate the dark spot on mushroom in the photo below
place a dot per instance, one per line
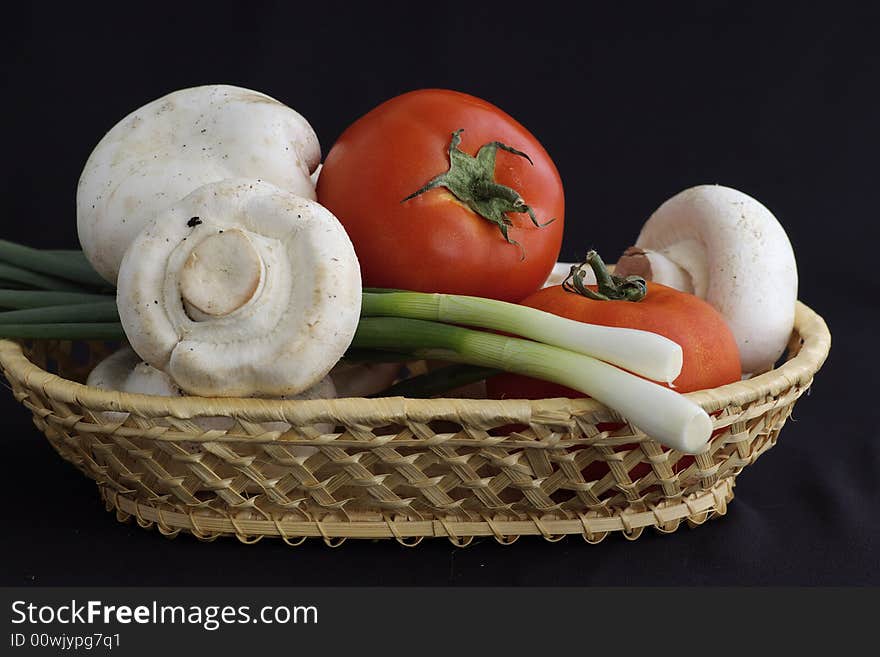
(193, 222)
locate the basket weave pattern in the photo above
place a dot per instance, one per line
(399, 468)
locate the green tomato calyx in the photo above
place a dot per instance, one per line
(472, 181)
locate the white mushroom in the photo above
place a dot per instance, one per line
(162, 151)
(727, 248)
(124, 371)
(241, 289)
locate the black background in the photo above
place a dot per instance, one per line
(634, 104)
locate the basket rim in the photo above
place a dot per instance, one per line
(594, 526)
(809, 327)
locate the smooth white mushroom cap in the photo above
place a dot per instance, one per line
(123, 370)
(727, 248)
(162, 151)
(269, 316)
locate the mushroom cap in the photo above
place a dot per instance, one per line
(124, 370)
(739, 259)
(283, 339)
(162, 151)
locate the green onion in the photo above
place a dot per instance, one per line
(77, 259)
(72, 253)
(74, 331)
(661, 413)
(34, 280)
(102, 311)
(437, 381)
(69, 267)
(39, 298)
(642, 352)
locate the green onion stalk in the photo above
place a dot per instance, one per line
(67, 300)
(660, 412)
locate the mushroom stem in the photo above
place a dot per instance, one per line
(653, 265)
(221, 274)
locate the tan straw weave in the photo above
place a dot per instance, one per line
(399, 468)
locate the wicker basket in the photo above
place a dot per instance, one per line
(399, 468)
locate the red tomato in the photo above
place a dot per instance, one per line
(436, 241)
(710, 354)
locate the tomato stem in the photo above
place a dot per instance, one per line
(472, 181)
(608, 286)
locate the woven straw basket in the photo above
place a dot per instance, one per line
(399, 468)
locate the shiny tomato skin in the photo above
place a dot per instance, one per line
(710, 354)
(434, 242)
